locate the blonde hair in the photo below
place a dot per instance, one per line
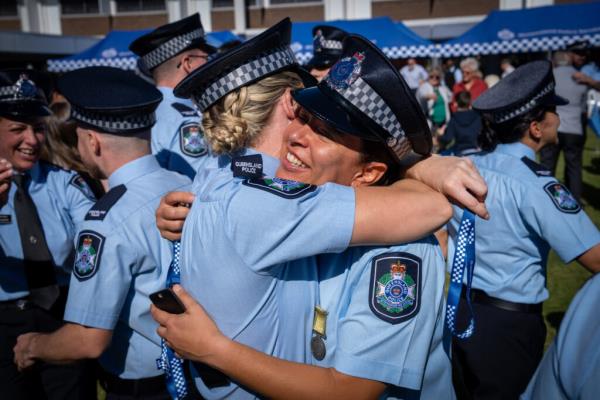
(237, 119)
(61, 139)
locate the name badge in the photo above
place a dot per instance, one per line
(5, 219)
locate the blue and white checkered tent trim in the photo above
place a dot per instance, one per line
(527, 30)
(113, 51)
(394, 39)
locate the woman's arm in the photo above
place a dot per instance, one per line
(193, 335)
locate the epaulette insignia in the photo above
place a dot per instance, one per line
(250, 166)
(89, 250)
(537, 169)
(281, 187)
(395, 286)
(100, 209)
(184, 110)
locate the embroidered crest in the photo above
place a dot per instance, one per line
(537, 169)
(345, 72)
(562, 198)
(192, 140)
(89, 250)
(25, 87)
(281, 187)
(82, 186)
(394, 292)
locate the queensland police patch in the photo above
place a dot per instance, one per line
(191, 140)
(281, 187)
(345, 72)
(394, 292)
(87, 258)
(562, 198)
(82, 186)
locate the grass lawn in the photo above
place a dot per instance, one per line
(564, 280)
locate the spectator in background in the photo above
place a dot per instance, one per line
(414, 74)
(506, 67)
(491, 79)
(571, 135)
(452, 74)
(436, 99)
(471, 82)
(464, 128)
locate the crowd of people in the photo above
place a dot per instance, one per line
(235, 225)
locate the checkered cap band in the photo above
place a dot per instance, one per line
(171, 48)
(260, 66)
(366, 99)
(522, 109)
(114, 123)
(321, 43)
(8, 93)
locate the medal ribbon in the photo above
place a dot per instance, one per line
(464, 258)
(168, 361)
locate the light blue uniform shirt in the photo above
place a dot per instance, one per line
(405, 353)
(177, 137)
(592, 70)
(237, 240)
(570, 368)
(120, 261)
(530, 213)
(61, 198)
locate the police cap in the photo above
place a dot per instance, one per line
(20, 95)
(168, 40)
(255, 59)
(364, 95)
(110, 99)
(327, 46)
(527, 87)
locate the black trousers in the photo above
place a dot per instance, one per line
(572, 146)
(42, 381)
(500, 358)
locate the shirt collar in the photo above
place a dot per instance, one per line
(270, 164)
(132, 170)
(516, 149)
(34, 172)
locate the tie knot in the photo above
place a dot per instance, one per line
(21, 180)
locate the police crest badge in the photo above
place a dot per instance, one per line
(281, 187)
(191, 140)
(82, 186)
(345, 72)
(394, 291)
(318, 41)
(89, 250)
(562, 198)
(25, 87)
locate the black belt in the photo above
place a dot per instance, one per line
(132, 387)
(480, 297)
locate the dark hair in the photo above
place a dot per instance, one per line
(379, 152)
(463, 99)
(510, 131)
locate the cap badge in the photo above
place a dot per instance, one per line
(317, 41)
(25, 88)
(345, 72)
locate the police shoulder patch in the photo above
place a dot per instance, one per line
(281, 187)
(191, 140)
(184, 110)
(395, 286)
(80, 183)
(89, 251)
(537, 169)
(102, 207)
(562, 198)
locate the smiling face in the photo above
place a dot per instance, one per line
(21, 142)
(313, 152)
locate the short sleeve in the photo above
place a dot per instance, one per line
(102, 275)
(274, 221)
(552, 212)
(392, 315)
(79, 197)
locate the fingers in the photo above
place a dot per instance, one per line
(187, 300)
(160, 316)
(176, 198)
(170, 230)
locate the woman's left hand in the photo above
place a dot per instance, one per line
(193, 335)
(455, 177)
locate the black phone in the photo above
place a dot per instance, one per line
(168, 301)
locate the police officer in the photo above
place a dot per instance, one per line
(120, 257)
(170, 53)
(532, 212)
(373, 301)
(40, 205)
(327, 49)
(570, 368)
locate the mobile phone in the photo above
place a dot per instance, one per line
(168, 301)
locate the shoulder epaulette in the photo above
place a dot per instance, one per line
(100, 209)
(184, 110)
(537, 169)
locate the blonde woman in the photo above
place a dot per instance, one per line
(471, 81)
